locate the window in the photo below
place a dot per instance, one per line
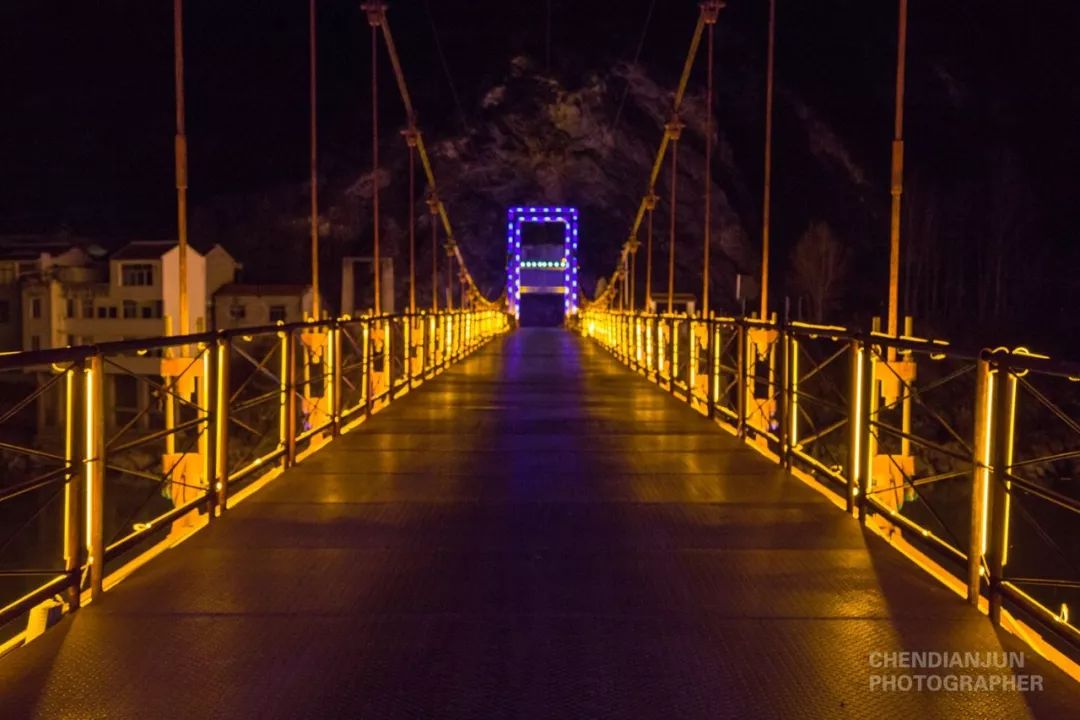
(35, 342)
(130, 309)
(71, 341)
(87, 308)
(237, 311)
(102, 311)
(277, 312)
(70, 309)
(136, 274)
(159, 309)
(147, 312)
(5, 311)
(112, 311)
(35, 308)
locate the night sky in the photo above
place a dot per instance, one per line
(87, 121)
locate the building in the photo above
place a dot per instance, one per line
(67, 296)
(136, 297)
(239, 305)
(41, 263)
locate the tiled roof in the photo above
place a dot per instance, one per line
(143, 250)
(257, 290)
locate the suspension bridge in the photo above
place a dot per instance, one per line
(641, 511)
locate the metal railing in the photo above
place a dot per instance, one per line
(108, 451)
(973, 458)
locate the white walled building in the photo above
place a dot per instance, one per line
(31, 303)
(137, 297)
(239, 305)
(70, 299)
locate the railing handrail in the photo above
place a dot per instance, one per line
(722, 363)
(49, 356)
(409, 349)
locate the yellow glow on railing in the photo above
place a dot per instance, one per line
(88, 423)
(1021, 350)
(283, 386)
(331, 363)
(814, 326)
(1011, 430)
(856, 435)
(70, 487)
(794, 394)
(716, 365)
(984, 459)
(871, 410)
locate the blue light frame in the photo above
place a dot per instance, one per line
(519, 216)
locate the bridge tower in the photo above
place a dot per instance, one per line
(541, 260)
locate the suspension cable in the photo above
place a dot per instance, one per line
(446, 67)
(637, 57)
(709, 11)
(766, 204)
(376, 15)
(680, 92)
(425, 162)
(433, 211)
(410, 140)
(674, 130)
(650, 206)
(312, 95)
(449, 275)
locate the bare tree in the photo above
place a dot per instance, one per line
(819, 263)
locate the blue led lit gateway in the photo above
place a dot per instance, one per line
(542, 244)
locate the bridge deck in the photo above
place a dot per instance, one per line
(538, 533)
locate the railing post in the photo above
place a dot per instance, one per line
(717, 363)
(710, 365)
(207, 402)
(288, 348)
(997, 542)
(787, 393)
(221, 421)
(672, 353)
(865, 388)
(94, 452)
(741, 372)
(72, 493)
(858, 429)
(335, 364)
(429, 346)
(980, 477)
(368, 379)
(406, 351)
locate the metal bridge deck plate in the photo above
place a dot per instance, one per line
(536, 534)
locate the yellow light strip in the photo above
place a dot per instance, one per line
(856, 439)
(794, 427)
(88, 421)
(985, 459)
(716, 366)
(1008, 464)
(69, 456)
